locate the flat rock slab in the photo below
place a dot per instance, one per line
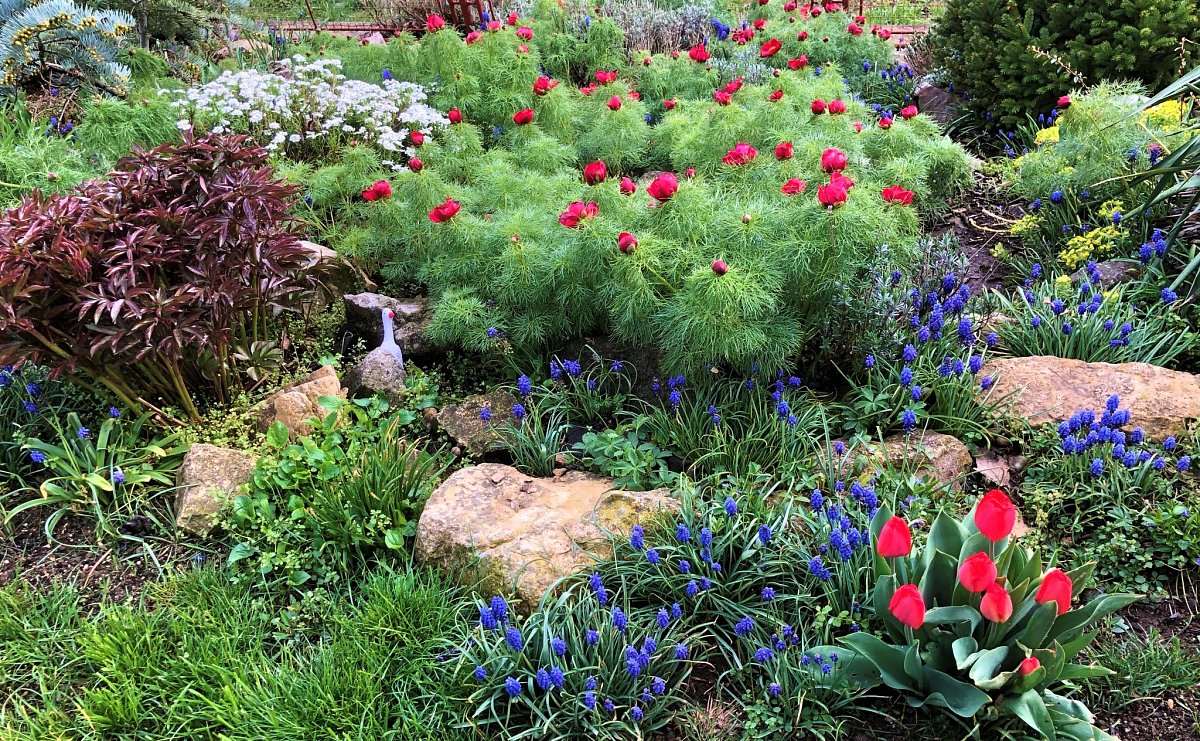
(1048, 390)
(462, 422)
(510, 529)
(943, 458)
(208, 476)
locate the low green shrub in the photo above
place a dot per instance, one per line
(631, 461)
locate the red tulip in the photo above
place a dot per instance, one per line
(719, 267)
(897, 194)
(699, 54)
(833, 160)
(770, 48)
(996, 605)
(415, 164)
(577, 212)
(525, 33)
(628, 187)
(783, 151)
(603, 77)
(595, 173)
(885, 123)
(722, 97)
(802, 36)
(626, 242)
(775, 96)
(455, 116)
(378, 191)
(854, 29)
(543, 85)
(995, 515)
(1056, 586)
(908, 112)
(1064, 102)
(444, 212)
(434, 22)
(840, 179)
(1028, 666)
(818, 107)
(793, 187)
(977, 573)
(895, 539)
(837, 106)
(614, 103)
(523, 116)
(799, 62)
(417, 138)
(669, 104)
(908, 606)
(742, 153)
(832, 195)
(473, 37)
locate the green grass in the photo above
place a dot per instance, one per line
(1145, 668)
(201, 663)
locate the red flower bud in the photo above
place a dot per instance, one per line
(595, 173)
(626, 242)
(669, 104)
(543, 85)
(417, 138)
(605, 77)
(663, 186)
(908, 112)
(908, 606)
(1056, 587)
(523, 116)
(1029, 666)
(895, 539)
(493, 26)
(833, 160)
(614, 103)
(977, 573)
(897, 194)
(628, 187)
(473, 37)
(789, 6)
(760, 24)
(854, 29)
(455, 116)
(719, 267)
(995, 515)
(857, 127)
(837, 106)
(792, 187)
(885, 123)
(996, 604)
(415, 164)
(721, 97)
(802, 36)
(690, 173)
(525, 33)
(1064, 102)
(783, 151)
(646, 61)
(512, 19)
(818, 107)
(378, 191)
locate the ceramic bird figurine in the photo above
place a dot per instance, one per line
(389, 337)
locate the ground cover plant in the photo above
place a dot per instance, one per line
(901, 412)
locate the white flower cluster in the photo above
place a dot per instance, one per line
(309, 107)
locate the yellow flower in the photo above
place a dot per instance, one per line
(1048, 135)
(1095, 244)
(1025, 226)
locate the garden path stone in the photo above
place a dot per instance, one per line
(1045, 390)
(511, 529)
(462, 423)
(296, 404)
(412, 317)
(208, 476)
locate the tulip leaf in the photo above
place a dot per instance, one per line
(950, 615)
(966, 651)
(1085, 671)
(1080, 578)
(937, 584)
(986, 666)
(1039, 625)
(1031, 708)
(974, 543)
(888, 659)
(945, 535)
(1098, 608)
(962, 698)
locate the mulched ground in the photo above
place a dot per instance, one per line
(980, 222)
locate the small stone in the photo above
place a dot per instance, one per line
(461, 421)
(994, 469)
(208, 476)
(379, 373)
(1112, 272)
(294, 405)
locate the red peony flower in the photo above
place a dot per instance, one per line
(1064, 102)
(770, 48)
(995, 515)
(525, 33)
(523, 116)
(733, 86)
(816, 12)
(663, 186)
(789, 6)
(699, 54)
(628, 187)
(885, 34)
(897, 194)
(522, 49)
(543, 85)
(626, 242)
(690, 173)
(595, 173)
(837, 106)
(645, 61)
(722, 97)
(818, 107)
(605, 77)
(720, 267)
(833, 160)
(996, 604)
(444, 212)
(1056, 587)
(977, 573)
(588, 89)
(577, 212)
(455, 116)
(614, 103)
(908, 112)
(842, 180)
(885, 123)
(417, 138)
(799, 62)
(493, 26)
(669, 104)
(434, 22)
(378, 191)
(854, 29)
(895, 539)
(775, 96)
(793, 187)
(907, 605)
(760, 24)
(1029, 666)
(512, 19)
(857, 126)
(742, 153)
(832, 195)
(783, 151)
(860, 19)
(802, 36)
(415, 164)
(473, 37)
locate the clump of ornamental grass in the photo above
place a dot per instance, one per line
(1055, 316)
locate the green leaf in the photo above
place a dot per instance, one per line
(966, 651)
(888, 659)
(951, 615)
(985, 666)
(962, 698)
(394, 539)
(239, 552)
(946, 535)
(277, 435)
(1030, 708)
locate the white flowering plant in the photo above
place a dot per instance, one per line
(309, 109)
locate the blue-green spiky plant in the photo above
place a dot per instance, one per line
(58, 43)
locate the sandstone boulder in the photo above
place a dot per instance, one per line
(514, 530)
(294, 405)
(380, 372)
(462, 421)
(1046, 390)
(208, 476)
(934, 455)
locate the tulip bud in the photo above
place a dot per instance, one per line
(1029, 666)
(908, 606)
(895, 539)
(1056, 587)
(996, 604)
(720, 267)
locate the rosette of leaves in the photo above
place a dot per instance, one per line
(62, 44)
(958, 659)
